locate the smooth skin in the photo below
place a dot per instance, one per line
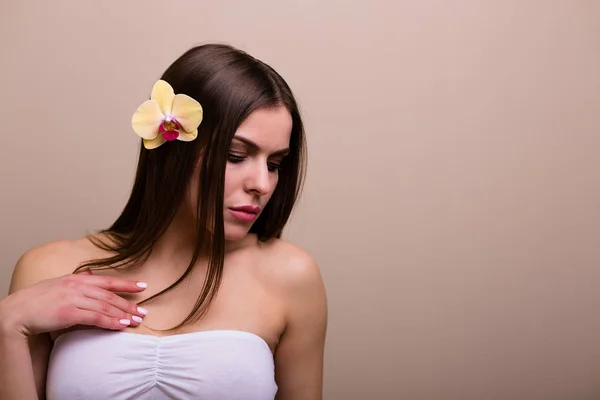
(272, 289)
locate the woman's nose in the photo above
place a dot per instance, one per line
(259, 180)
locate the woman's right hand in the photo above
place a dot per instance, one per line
(69, 300)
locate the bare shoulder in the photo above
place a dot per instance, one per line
(300, 351)
(297, 277)
(49, 260)
(292, 266)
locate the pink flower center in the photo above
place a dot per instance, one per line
(169, 129)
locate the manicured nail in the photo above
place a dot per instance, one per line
(142, 311)
(124, 322)
(136, 319)
(142, 285)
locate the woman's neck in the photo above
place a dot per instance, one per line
(177, 244)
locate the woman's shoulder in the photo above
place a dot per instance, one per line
(291, 265)
(281, 249)
(51, 260)
(297, 278)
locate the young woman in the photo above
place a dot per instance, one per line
(191, 293)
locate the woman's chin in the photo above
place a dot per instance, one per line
(235, 233)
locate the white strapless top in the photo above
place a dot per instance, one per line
(95, 364)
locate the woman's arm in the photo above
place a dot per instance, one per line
(46, 297)
(23, 365)
(299, 355)
(23, 360)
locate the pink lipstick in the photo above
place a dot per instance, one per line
(245, 213)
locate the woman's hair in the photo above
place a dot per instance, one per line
(230, 85)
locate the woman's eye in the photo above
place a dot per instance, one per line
(274, 167)
(235, 159)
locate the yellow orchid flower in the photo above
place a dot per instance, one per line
(166, 117)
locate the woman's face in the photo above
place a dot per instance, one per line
(257, 149)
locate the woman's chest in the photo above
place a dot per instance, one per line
(243, 302)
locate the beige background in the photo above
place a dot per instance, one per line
(453, 195)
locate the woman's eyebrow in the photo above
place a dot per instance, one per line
(255, 147)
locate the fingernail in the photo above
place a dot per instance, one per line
(142, 285)
(136, 319)
(142, 311)
(124, 322)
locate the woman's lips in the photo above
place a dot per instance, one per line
(245, 213)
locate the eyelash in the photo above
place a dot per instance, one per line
(238, 159)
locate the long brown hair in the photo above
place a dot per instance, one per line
(230, 85)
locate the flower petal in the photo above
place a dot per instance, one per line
(187, 112)
(154, 143)
(147, 119)
(187, 136)
(163, 93)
